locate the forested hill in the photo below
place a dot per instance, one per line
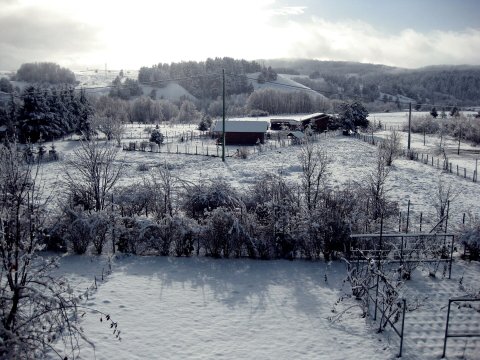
(203, 79)
(435, 84)
(335, 79)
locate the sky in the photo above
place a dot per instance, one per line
(122, 34)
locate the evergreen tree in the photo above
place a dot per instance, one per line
(156, 137)
(353, 115)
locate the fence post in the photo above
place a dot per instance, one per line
(451, 257)
(408, 216)
(446, 329)
(403, 326)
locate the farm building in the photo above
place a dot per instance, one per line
(319, 121)
(242, 132)
(289, 124)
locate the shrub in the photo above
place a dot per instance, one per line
(470, 238)
(207, 197)
(143, 167)
(79, 235)
(219, 238)
(184, 236)
(156, 137)
(129, 240)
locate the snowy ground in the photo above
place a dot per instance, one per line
(202, 308)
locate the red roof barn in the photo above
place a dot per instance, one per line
(242, 132)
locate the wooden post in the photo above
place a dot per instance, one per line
(408, 216)
(409, 124)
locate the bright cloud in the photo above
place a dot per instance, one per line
(356, 41)
(126, 34)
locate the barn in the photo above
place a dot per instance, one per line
(242, 132)
(318, 122)
(281, 124)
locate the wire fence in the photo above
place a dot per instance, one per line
(438, 162)
(203, 145)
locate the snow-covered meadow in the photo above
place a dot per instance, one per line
(201, 308)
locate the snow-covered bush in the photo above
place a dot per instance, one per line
(470, 238)
(78, 234)
(80, 229)
(134, 200)
(274, 206)
(129, 239)
(420, 124)
(218, 232)
(186, 230)
(208, 196)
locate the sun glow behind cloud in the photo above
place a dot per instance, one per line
(126, 34)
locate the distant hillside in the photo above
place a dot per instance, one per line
(340, 79)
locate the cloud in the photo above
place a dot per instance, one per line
(359, 41)
(130, 35)
(289, 10)
(33, 34)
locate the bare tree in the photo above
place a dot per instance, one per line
(391, 147)
(376, 191)
(314, 173)
(444, 195)
(37, 309)
(91, 174)
(112, 127)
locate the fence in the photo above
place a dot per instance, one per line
(443, 164)
(385, 309)
(210, 149)
(426, 159)
(456, 334)
(402, 248)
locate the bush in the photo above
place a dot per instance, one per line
(426, 123)
(79, 235)
(470, 238)
(223, 234)
(156, 137)
(184, 236)
(129, 240)
(207, 197)
(143, 167)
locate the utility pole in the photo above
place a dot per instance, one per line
(223, 123)
(459, 137)
(409, 124)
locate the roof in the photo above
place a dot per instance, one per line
(297, 134)
(289, 121)
(245, 126)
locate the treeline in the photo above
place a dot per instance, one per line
(433, 85)
(203, 79)
(280, 102)
(47, 112)
(45, 72)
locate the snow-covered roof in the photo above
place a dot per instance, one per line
(296, 134)
(245, 126)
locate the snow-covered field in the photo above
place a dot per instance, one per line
(200, 308)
